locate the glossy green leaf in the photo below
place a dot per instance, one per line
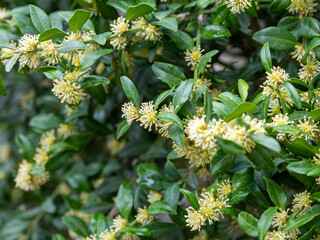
(51, 34)
(266, 57)
(298, 222)
(214, 31)
(169, 23)
(122, 129)
(139, 10)
(192, 199)
(279, 38)
(177, 134)
(229, 146)
(78, 19)
(93, 81)
(98, 223)
(162, 97)
(243, 88)
(268, 142)
(139, 231)
(130, 90)
(248, 223)
(220, 162)
(205, 60)
(242, 178)
(277, 194)
(92, 57)
(171, 117)
(279, 5)
(160, 229)
(124, 200)
(241, 109)
(265, 222)
(182, 94)
(182, 40)
(168, 73)
(293, 93)
(71, 46)
(160, 207)
(39, 18)
(76, 225)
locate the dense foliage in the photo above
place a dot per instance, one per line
(160, 119)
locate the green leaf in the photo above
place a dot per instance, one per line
(279, 5)
(171, 170)
(293, 93)
(219, 14)
(229, 146)
(98, 93)
(51, 34)
(101, 38)
(289, 22)
(293, 223)
(76, 225)
(160, 229)
(39, 18)
(207, 106)
(67, 15)
(237, 196)
(92, 57)
(315, 42)
(162, 14)
(98, 223)
(266, 57)
(160, 207)
(93, 81)
(286, 129)
(242, 178)
(162, 97)
(172, 195)
(11, 62)
(169, 23)
(130, 90)
(182, 40)
(122, 129)
(268, 142)
(205, 59)
(71, 46)
(241, 109)
(63, 146)
(265, 107)
(168, 73)
(248, 223)
(122, 5)
(124, 200)
(171, 117)
(307, 235)
(80, 140)
(139, 231)
(214, 31)
(177, 134)
(260, 156)
(139, 10)
(192, 199)
(78, 19)
(265, 222)
(315, 114)
(3, 91)
(45, 121)
(182, 94)
(301, 167)
(58, 237)
(151, 178)
(277, 194)
(243, 88)
(309, 28)
(220, 162)
(279, 38)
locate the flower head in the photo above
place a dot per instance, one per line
(5, 152)
(143, 217)
(154, 196)
(119, 26)
(303, 7)
(151, 33)
(316, 159)
(49, 52)
(238, 6)
(224, 188)
(119, 42)
(310, 70)
(3, 13)
(201, 82)
(47, 139)
(280, 218)
(301, 202)
(148, 116)
(65, 130)
(277, 77)
(108, 235)
(193, 58)
(195, 219)
(41, 157)
(31, 59)
(27, 182)
(279, 120)
(275, 235)
(130, 112)
(298, 52)
(28, 43)
(68, 92)
(118, 223)
(308, 127)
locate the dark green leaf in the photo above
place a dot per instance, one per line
(39, 18)
(242, 178)
(277, 194)
(298, 222)
(130, 90)
(92, 57)
(160, 229)
(248, 223)
(124, 200)
(241, 109)
(265, 222)
(279, 5)
(169, 23)
(171, 117)
(192, 199)
(182, 94)
(71, 46)
(229, 146)
(93, 81)
(279, 38)
(162, 97)
(45, 121)
(266, 57)
(76, 225)
(168, 73)
(3, 91)
(268, 142)
(260, 156)
(98, 223)
(205, 59)
(182, 40)
(122, 129)
(293, 93)
(160, 207)
(177, 134)
(51, 34)
(243, 88)
(78, 19)
(139, 10)
(220, 162)
(214, 31)
(139, 231)
(309, 28)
